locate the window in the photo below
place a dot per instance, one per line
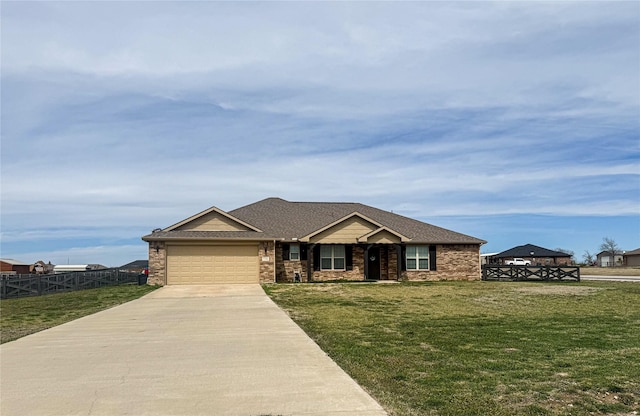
(332, 257)
(294, 252)
(417, 257)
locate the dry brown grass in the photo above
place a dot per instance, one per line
(610, 271)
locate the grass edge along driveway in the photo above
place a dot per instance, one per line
(24, 316)
(480, 348)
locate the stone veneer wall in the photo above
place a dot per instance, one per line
(268, 261)
(453, 262)
(157, 264)
(285, 269)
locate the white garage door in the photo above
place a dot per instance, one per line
(201, 265)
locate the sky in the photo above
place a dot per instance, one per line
(514, 122)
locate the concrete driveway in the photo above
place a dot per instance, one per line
(181, 350)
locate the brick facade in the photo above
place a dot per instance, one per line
(286, 269)
(453, 262)
(357, 273)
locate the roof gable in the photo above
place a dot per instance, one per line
(212, 219)
(344, 230)
(383, 235)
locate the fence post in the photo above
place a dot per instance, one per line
(4, 286)
(39, 284)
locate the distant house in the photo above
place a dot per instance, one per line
(535, 254)
(488, 258)
(11, 266)
(631, 258)
(97, 267)
(604, 259)
(40, 267)
(137, 266)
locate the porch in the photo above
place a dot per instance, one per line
(326, 262)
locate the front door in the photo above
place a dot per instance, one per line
(374, 263)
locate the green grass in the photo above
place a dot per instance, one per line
(24, 316)
(480, 348)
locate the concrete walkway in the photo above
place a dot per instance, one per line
(181, 350)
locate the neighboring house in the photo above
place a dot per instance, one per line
(488, 258)
(137, 266)
(604, 259)
(274, 240)
(40, 267)
(631, 258)
(11, 266)
(536, 255)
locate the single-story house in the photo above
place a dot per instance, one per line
(631, 258)
(604, 259)
(136, 266)
(11, 266)
(274, 240)
(40, 267)
(535, 254)
(487, 258)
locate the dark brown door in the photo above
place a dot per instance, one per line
(374, 263)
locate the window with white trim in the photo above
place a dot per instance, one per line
(417, 257)
(294, 252)
(332, 257)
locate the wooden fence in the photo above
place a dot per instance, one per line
(42, 284)
(491, 272)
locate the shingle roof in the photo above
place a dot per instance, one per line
(297, 219)
(280, 219)
(205, 235)
(525, 251)
(635, 252)
(136, 264)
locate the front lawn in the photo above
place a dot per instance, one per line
(24, 316)
(480, 348)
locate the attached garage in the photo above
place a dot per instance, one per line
(211, 264)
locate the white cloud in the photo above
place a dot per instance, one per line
(122, 117)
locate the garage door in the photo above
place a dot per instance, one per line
(200, 265)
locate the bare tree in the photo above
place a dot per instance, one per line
(610, 246)
(571, 254)
(589, 258)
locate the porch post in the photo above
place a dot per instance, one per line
(309, 258)
(398, 261)
(366, 261)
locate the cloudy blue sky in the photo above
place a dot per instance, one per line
(515, 122)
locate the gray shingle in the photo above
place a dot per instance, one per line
(280, 219)
(297, 219)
